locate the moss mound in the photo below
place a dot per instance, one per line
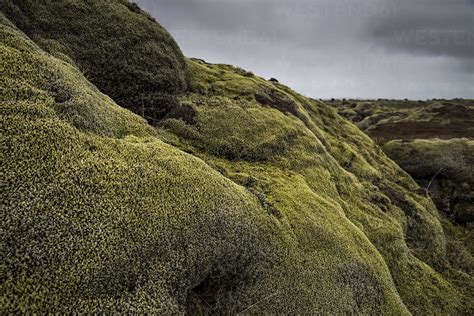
(278, 206)
(119, 48)
(30, 75)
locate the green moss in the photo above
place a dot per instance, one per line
(119, 48)
(111, 224)
(33, 76)
(282, 208)
(340, 168)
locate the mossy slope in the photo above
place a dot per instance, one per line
(283, 206)
(287, 145)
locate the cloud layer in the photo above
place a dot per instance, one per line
(325, 48)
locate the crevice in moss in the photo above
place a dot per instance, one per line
(265, 203)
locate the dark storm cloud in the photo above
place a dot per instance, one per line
(333, 48)
(432, 27)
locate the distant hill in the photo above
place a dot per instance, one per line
(432, 140)
(244, 196)
(398, 119)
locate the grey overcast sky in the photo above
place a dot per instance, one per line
(416, 49)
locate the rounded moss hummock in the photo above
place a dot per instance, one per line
(119, 48)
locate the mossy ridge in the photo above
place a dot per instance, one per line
(93, 190)
(402, 230)
(109, 190)
(118, 47)
(332, 238)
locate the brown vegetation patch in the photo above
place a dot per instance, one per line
(421, 130)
